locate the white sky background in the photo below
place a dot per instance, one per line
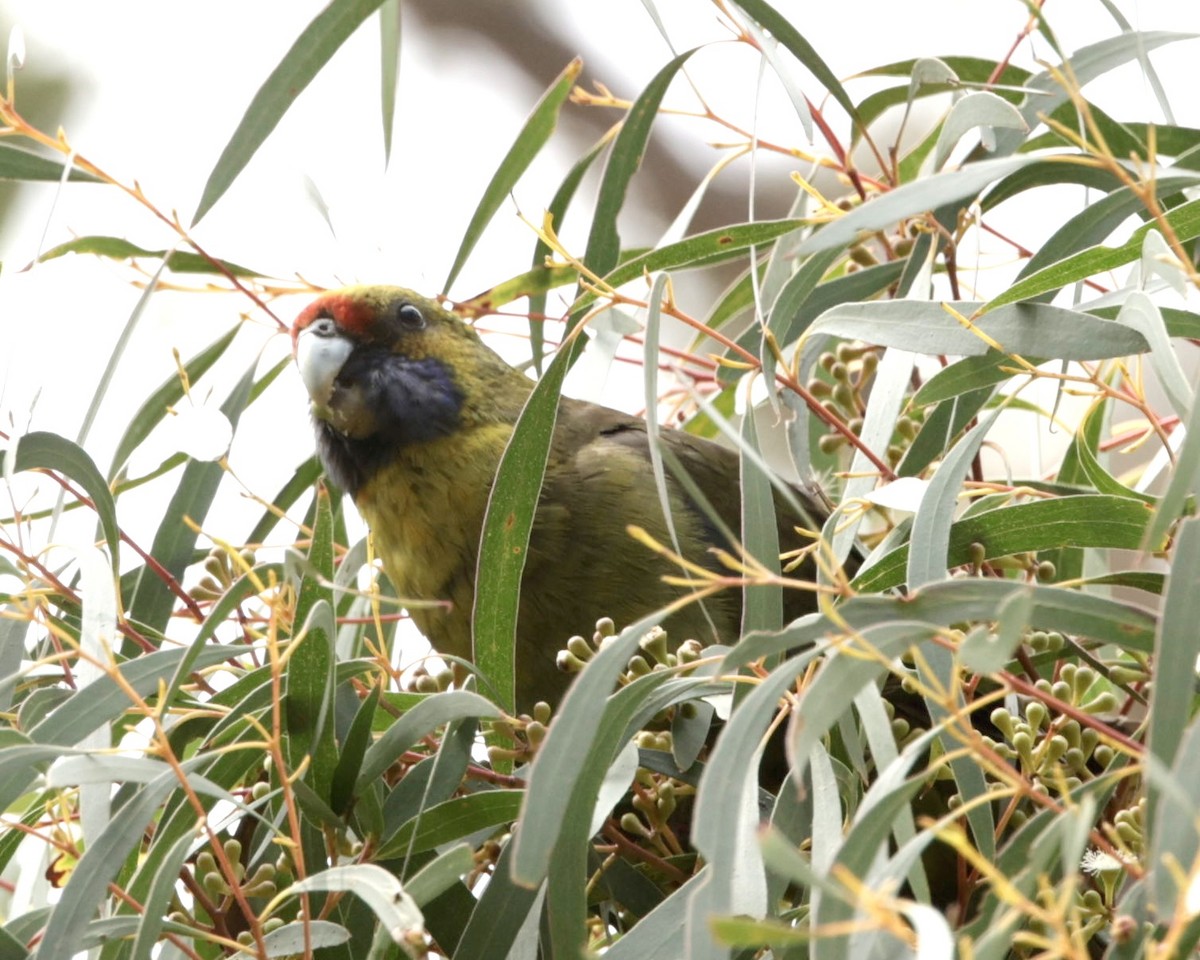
(164, 91)
(161, 90)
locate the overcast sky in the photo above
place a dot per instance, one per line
(158, 93)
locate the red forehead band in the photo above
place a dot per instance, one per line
(352, 315)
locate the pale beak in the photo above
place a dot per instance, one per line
(319, 357)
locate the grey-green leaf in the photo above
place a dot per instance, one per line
(17, 164)
(314, 47)
(528, 143)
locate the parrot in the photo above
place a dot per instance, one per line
(412, 412)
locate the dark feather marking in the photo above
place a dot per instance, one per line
(411, 401)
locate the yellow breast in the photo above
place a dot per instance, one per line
(425, 511)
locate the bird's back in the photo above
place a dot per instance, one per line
(427, 512)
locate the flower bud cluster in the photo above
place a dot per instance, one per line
(525, 732)
(843, 391)
(261, 883)
(1057, 753)
(221, 570)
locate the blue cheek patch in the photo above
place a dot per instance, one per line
(411, 400)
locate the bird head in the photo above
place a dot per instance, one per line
(386, 368)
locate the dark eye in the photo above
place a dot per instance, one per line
(323, 327)
(410, 317)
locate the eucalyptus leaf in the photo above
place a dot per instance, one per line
(382, 892)
(980, 109)
(320, 40)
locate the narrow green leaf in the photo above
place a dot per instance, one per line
(104, 700)
(696, 249)
(158, 899)
(1184, 221)
(726, 820)
(118, 248)
(967, 69)
(762, 606)
(938, 671)
(633, 890)
(1171, 817)
(979, 109)
(843, 675)
(828, 813)
(970, 71)
(378, 889)
(301, 481)
(1140, 313)
(318, 572)
(48, 451)
(306, 58)
(527, 145)
(1046, 172)
(89, 768)
(734, 300)
(1047, 91)
(656, 937)
(17, 164)
(948, 419)
(10, 947)
(13, 630)
(1097, 520)
(345, 775)
(425, 717)
(436, 877)
(21, 762)
(893, 379)
(292, 939)
(504, 545)
(866, 840)
(582, 789)
(1185, 479)
(1084, 448)
(1025, 329)
(518, 481)
(99, 864)
(1176, 649)
(893, 767)
(783, 30)
(743, 932)
(534, 282)
(796, 291)
(1091, 225)
(931, 528)
(557, 211)
(956, 601)
(245, 586)
(175, 542)
(968, 374)
(433, 780)
(567, 876)
(650, 395)
(453, 820)
(389, 69)
(500, 915)
(308, 703)
(567, 750)
(907, 200)
(604, 240)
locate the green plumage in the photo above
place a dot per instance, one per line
(424, 500)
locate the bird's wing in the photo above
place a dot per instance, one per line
(714, 468)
